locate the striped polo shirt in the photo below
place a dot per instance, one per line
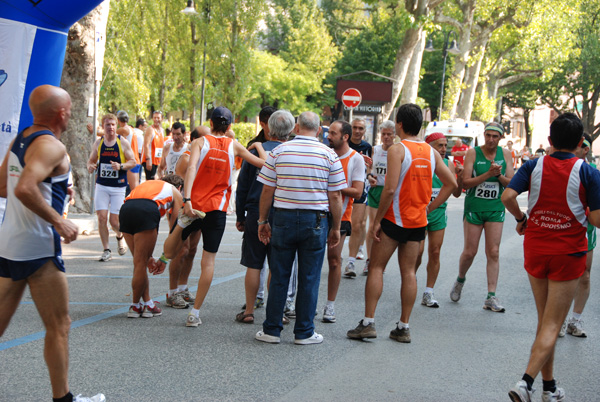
(303, 170)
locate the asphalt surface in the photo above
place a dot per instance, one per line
(459, 352)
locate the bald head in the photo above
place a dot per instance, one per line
(199, 131)
(50, 106)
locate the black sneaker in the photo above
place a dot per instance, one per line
(362, 331)
(400, 335)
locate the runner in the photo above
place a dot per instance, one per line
(154, 139)
(173, 150)
(561, 187)
(437, 220)
(488, 170)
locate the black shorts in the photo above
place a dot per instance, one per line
(400, 234)
(19, 270)
(345, 227)
(254, 251)
(150, 173)
(362, 199)
(212, 228)
(138, 215)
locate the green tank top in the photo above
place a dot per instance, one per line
(436, 185)
(486, 196)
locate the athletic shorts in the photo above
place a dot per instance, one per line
(150, 173)
(19, 270)
(345, 226)
(479, 218)
(591, 236)
(374, 196)
(212, 228)
(136, 169)
(362, 199)
(254, 251)
(554, 267)
(437, 220)
(400, 234)
(138, 215)
(109, 196)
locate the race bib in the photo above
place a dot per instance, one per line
(158, 152)
(434, 193)
(107, 172)
(380, 170)
(488, 191)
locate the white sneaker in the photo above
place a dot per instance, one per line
(192, 320)
(429, 301)
(563, 330)
(556, 396)
(360, 255)
(349, 271)
(329, 314)
(456, 291)
(184, 221)
(261, 336)
(95, 398)
(122, 245)
(106, 256)
(313, 340)
(366, 268)
(575, 328)
(520, 393)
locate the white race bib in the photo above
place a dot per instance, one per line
(434, 193)
(107, 172)
(158, 152)
(488, 191)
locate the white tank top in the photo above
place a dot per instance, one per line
(173, 157)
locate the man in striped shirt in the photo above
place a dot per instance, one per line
(304, 178)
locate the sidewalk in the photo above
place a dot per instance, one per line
(87, 223)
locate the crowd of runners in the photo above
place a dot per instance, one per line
(298, 199)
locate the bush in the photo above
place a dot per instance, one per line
(244, 132)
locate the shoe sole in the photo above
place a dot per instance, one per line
(433, 305)
(304, 342)
(514, 397)
(328, 320)
(129, 315)
(178, 307)
(122, 253)
(583, 335)
(151, 315)
(362, 337)
(191, 324)
(495, 311)
(350, 274)
(401, 340)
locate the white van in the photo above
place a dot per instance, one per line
(470, 132)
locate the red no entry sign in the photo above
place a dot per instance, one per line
(351, 98)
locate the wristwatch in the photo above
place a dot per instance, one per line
(186, 200)
(522, 219)
(262, 222)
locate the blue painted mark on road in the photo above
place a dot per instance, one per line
(102, 316)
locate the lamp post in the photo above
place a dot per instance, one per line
(191, 11)
(453, 48)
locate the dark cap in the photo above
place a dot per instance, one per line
(493, 126)
(122, 116)
(221, 115)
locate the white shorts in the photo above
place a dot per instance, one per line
(113, 196)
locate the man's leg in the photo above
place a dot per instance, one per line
(251, 283)
(359, 223)
(583, 289)
(176, 265)
(188, 261)
(173, 243)
(436, 238)
(11, 293)
(552, 300)
(382, 252)
(334, 260)
(207, 266)
(493, 235)
(103, 227)
(472, 234)
(372, 212)
(50, 292)
(132, 179)
(407, 258)
(114, 224)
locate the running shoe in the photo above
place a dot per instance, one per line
(329, 314)
(429, 301)
(575, 328)
(363, 331)
(187, 296)
(520, 393)
(192, 320)
(313, 340)
(259, 302)
(361, 254)
(95, 398)
(122, 245)
(563, 329)
(176, 301)
(366, 268)
(556, 396)
(349, 271)
(106, 256)
(150, 312)
(456, 291)
(184, 221)
(135, 312)
(261, 336)
(400, 335)
(290, 309)
(493, 304)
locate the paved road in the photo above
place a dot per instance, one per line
(459, 351)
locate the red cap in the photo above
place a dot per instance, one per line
(434, 136)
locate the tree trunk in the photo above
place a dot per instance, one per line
(526, 113)
(163, 61)
(193, 77)
(78, 80)
(410, 88)
(467, 95)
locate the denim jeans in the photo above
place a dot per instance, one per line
(305, 232)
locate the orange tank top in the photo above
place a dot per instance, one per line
(156, 147)
(347, 202)
(155, 190)
(211, 189)
(413, 192)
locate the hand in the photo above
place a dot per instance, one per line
(71, 194)
(67, 230)
(90, 128)
(368, 160)
(240, 226)
(187, 209)
(115, 165)
(92, 167)
(372, 180)
(458, 168)
(521, 226)
(495, 169)
(256, 145)
(333, 239)
(264, 233)
(376, 232)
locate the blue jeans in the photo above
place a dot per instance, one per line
(305, 232)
